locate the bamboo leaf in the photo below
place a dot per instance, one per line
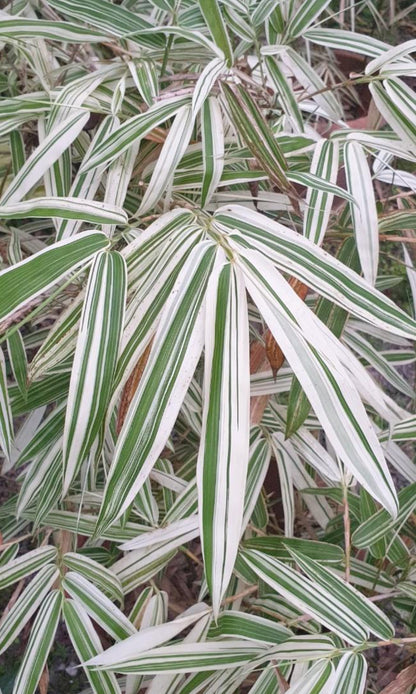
(39, 644)
(34, 275)
(176, 349)
(213, 17)
(95, 359)
(224, 451)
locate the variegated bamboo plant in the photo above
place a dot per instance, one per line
(190, 296)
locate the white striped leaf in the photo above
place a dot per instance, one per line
(194, 657)
(304, 649)
(39, 644)
(212, 132)
(110, 19)
(232, 623)
(394, 103)
(148, 637)
(284, 91)
(131, 130)
(173, 530)
(176, 349)
(375, 527)
(319, 203)
(42, 158)
(25, 565)
(215, 22)
(205, 82)
(26, 605)
(95, 359)
(284, 468)
(6, 418)
(223, 454)
(173, 149)
(308, 596)
(294, 254)
(85, 185)
(315, 680)
(18, 360)
(366, 612)
(304, 17)
(347, 40)
(36, 274)
(23, 28)
(65, 208)
(350, 676)
(145, 78)
(99, 607)
(87, 644)
(322, 377)
(95, 572)
(363, 210)
(258, 464)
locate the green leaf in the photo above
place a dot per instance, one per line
(39, 644)
(366, 612)
(195, 657)
(97, 573)
(87, 644)
(224, 451)
(25, 565)
(18, 360)
(305, 16)
(6, 419)
(65, 208)
(34, 275)
(99, 607)
(350, 676)
(176, 349)
(95, 359)
(279, 547)
(213, 17)
(251, 126)
(26, 605)
(309, 596)
(111, 19)
(40, 161)
(380, 523)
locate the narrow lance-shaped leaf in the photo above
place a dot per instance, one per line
(26, 605)
(65, 208)
(95, 358)
(148, 637)
(350, 676)
(308, 596)
(223, 454)
(6, 420)
(172, 151)
(213, 17)
(367, 613)
(132, 129)
(29, 278)
(43, 157)
(176, 349)
(304, 16)
(194, 657)
(380, 523)
(110, 19)
(87, 644)
(335, 318)
(23, 28)
(317, 269)
(39, 644)
(319, 203)
(363, 210)
(322, 377)
(212, 130)
(253, 129)
(25, 565)
(18, 360)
